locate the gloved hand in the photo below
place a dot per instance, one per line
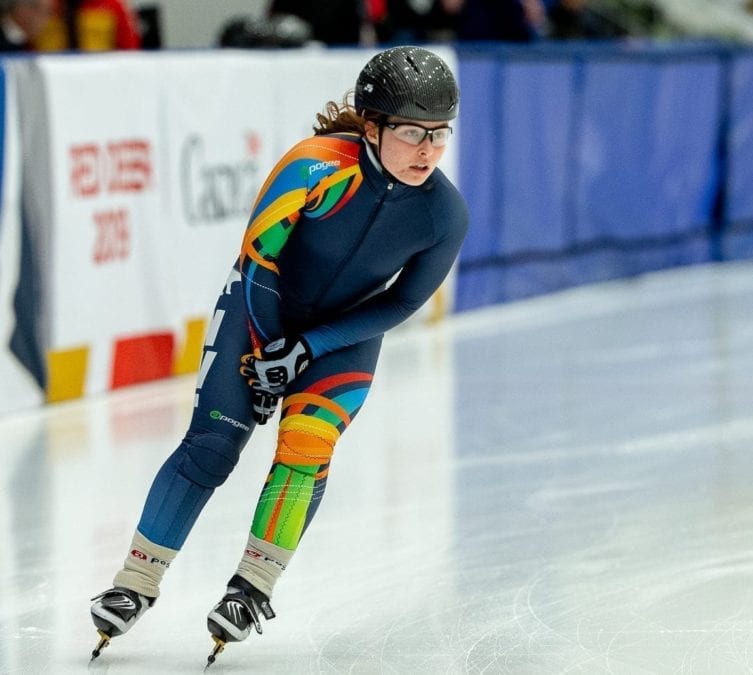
(263, 403)
(279, 363)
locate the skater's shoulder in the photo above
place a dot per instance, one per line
(337, 145)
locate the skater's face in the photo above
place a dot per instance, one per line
(409, 149)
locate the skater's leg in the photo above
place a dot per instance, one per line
(317, 409)
(219, 429)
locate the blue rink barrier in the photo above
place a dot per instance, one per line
(588, 162)
(736, 228)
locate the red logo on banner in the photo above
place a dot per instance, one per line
(113, 240)
(142, 358)
(130, 166)
(114, 167)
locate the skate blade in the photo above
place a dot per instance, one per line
(219, 645)
(103, 642)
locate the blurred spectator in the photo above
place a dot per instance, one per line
(21, 21)
(416, 21)
(506, 20)
(470, 20)
(90, 25)
(150, 29)
(279, 30)
(576, 20)
(335, 22)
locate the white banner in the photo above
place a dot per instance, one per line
(219, 119)
(140, 171)
(107, 248)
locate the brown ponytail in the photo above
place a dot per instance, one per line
(342, 117)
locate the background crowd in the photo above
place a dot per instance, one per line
(58, 25)
(95, 25)
(370, 22)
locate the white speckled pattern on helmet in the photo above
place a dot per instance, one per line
(409, 82)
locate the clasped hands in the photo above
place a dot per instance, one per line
(277, 364)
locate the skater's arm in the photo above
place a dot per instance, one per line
(289, 189)
(415, 284)
(273, 218)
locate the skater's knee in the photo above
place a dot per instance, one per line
(208, 459)
(305, 440)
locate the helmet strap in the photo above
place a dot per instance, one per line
(379, 142)
(375, 155)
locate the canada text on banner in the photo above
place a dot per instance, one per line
(219, 124)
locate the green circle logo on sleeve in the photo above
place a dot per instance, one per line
(217, 415)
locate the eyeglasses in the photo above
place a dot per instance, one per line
(415, 134)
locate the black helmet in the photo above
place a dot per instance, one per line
(409, 82)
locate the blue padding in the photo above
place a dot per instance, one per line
(584, 163)
(647, 149)
(737, 232)
(740, 191)
(479, 154)
(2, 132)
(534, 138)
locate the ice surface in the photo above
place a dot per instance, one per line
(561, 485)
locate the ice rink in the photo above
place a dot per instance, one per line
(560, 485)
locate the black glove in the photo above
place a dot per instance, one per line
(263, 403)
(280, 363)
